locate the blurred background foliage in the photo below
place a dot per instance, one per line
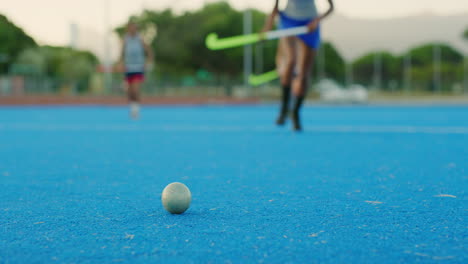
(181, 57)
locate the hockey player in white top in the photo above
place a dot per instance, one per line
(301, 9)
(135, 57)
(295, 55)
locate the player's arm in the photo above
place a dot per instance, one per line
(331, 7)
(120, 62)
(149, 55)
(271, 18)
(148, 52)
(313, 25)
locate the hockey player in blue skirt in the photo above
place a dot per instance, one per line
(295, 55)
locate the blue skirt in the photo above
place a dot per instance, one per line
(311, 39)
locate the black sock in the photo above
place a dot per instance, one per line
(286, 93)
(295, 114)
(298, 103)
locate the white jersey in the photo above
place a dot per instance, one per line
(301, 9)
(134, 54)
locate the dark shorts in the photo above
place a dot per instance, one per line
(134, 77)
(312, 39)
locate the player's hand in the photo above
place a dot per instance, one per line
(313, 25)
(267, 27)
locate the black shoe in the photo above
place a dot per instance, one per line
(284, 108)
(296, 121)
(281, 120)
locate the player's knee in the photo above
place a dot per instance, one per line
(286, 63)
(290, 62)
(301, 78)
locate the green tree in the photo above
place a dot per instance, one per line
(334, 67)
(363, 68)
(34, 59)
(13, 41)
(424, 55)
(65, 65)
(422, 71)
(70, 66)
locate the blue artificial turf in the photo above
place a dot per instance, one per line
(362, 184)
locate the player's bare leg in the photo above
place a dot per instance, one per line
(134, 99)
(301, 80)
(285, 62)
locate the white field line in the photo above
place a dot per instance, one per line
(220, 128)
(445, 196)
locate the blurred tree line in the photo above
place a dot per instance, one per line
(64, 65)
(13, 41)
(178, 41)
(21, 55)
(419, 65)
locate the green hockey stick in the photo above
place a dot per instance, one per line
(214, 43)
(256, 80)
